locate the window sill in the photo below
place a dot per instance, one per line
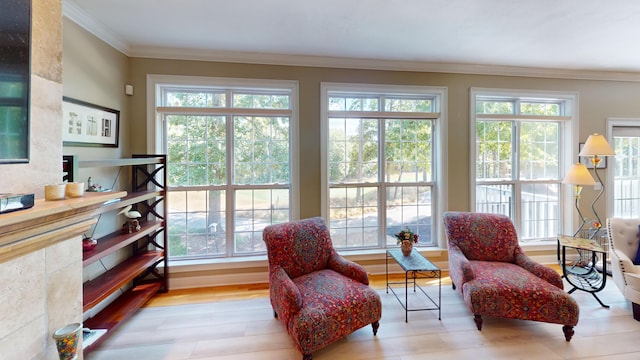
(541, 245)
(354, 255)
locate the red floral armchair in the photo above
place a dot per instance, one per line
(319, 296)
(495, 276)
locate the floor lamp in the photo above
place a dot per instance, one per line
(578, 176)
(596, 147)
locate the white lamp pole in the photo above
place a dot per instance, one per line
(578, 176)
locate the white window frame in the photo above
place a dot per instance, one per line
(610, 172)
(440, 157)
(155, 126)
(568, 146)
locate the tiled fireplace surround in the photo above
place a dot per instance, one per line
(41, 291)
(41, 273)
(40, 281)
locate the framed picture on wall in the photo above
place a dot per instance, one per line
(85, 124)
(586, 160)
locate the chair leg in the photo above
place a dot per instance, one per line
(636, 311)
(478, 319)
(568, 332)
(275, 314)
(375, 327)
(453, 286)
(307, 357)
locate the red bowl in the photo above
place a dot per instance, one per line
(89, 244)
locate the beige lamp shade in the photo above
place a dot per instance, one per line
(596, 145)
(578, 174)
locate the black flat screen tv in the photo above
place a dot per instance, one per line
(15, 73)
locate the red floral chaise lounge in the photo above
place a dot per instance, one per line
(319, 296)
(495, 276)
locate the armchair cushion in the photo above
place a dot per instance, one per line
(509, 291)
(329, 312)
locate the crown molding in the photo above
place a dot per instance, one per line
(75, 13)
(371, 64)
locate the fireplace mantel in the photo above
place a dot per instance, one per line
(48, 222)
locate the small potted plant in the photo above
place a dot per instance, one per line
(406, 238)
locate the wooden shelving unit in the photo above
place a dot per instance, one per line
(139, 274)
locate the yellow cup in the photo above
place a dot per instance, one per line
(54, 191)
(74, 189)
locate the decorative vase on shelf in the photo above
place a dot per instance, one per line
(406, 247)
(67, 339)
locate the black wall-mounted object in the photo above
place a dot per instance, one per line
(15, 202)
(15, 73)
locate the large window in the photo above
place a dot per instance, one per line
(626, 167)
(229, 146)
(381, 163)
(520, 141)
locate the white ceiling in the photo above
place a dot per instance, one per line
(592, 35)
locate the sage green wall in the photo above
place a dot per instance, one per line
(96, 73)
(598, 100)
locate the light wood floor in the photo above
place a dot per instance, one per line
(237, 323)
(252, 291)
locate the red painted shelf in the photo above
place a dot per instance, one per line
(98, 289)
(111, 243)
(120, 310)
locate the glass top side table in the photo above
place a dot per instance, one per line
(415, 267)
(583, 275)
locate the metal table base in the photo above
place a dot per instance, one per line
(415, 267)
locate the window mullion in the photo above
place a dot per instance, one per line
(515, 153)
(382, 198)
(515, 172)
(229, 99)
(230, 190)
